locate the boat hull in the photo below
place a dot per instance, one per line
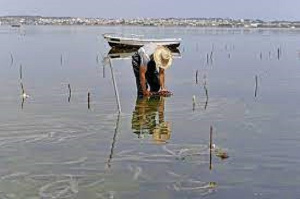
(134, 46)
(135, 42)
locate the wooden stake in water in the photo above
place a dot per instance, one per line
(210, 147)
(21, 72)
(115, 87)
(207, 59)
(260, 56)
(70, 93)
(206, 92)
(256, 85)
(23, 95)
(210, 137)
(61, 59)
(11, 59)
(89, 100)
(211, 57)
(278, 53)
(194, 102)
(196, 76)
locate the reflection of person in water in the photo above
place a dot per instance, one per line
(148, 118)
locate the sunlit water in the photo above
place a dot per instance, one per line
(53, 146)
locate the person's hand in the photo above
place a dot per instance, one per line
(165, 93)
(146, 93)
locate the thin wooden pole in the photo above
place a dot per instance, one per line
(11, 59)
(194, 102)
(210, 147)
(20, 71)
(70, 93)
(211, 57)
(115, 87)
(206, 92)
(89, 100)
(61, 59)
(196, 76)
(256, 85)
(207, 59)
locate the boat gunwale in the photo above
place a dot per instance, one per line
(109, 36)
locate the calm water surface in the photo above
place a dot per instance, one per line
(53, 146)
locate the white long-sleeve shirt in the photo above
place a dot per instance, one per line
(145, 52)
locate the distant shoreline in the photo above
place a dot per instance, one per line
(145, 26)
(148, 22)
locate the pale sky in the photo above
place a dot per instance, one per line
(236, 9)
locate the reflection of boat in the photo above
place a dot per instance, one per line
(15, 25)
(121, 53)
(136, 41)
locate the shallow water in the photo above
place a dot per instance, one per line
(53, 146)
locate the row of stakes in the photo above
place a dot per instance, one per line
(209, 60)
(210, 55)
(24, 95)
(206, 90)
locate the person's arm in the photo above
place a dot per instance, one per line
(162, 79)
(163, 90)
(143, 71)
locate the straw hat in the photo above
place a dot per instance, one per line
(162, 57)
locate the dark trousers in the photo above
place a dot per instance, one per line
(152, 76)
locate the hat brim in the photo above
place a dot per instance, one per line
(158, 59)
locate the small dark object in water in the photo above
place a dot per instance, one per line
(223, 155)
(162, 93)
(15, 25)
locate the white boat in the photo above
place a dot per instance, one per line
(136, 41)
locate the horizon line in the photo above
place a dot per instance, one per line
(257, 19)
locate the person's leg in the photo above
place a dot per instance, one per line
(136, 60)
(152, 77)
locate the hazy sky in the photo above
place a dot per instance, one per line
(254, 9)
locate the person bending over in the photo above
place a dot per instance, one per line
(149, 64)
